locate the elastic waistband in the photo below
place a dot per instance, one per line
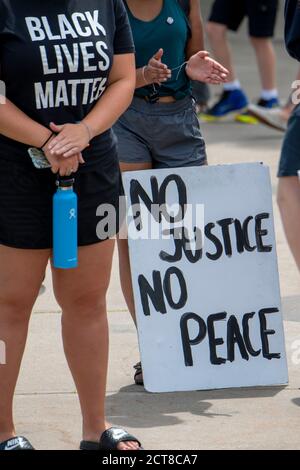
(160, 109)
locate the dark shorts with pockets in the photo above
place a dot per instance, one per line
(26, 202)
(262, 15)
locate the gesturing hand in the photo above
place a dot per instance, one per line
(156, 71)
(203, 68)
(71, 140)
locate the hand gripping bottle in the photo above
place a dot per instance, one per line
(65, 236)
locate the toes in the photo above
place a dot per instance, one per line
(133, 445)
(128, 446)
(123, 446)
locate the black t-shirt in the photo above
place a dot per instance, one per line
(55, 59)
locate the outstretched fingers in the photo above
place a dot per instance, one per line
(219, 67)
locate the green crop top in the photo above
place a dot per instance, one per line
(170, 31)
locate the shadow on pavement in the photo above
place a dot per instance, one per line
(133, 406)
(296, 401)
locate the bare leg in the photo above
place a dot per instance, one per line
(125, 276)
(266, 60)
(289, 205)
(81, 294)
(217, 34)
(124, 262)
(21, 275)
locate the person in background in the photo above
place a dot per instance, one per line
(289, 167)
(161, 128)
(228, 15)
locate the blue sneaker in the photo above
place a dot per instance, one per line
(269, 104)
(231, 102)
(248, 117)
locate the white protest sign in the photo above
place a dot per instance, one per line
(207, 297)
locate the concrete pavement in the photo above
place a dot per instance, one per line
(267, 418)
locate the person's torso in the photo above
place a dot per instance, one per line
(169, 31)
(56, 57)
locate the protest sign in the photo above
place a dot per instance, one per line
(205, 277)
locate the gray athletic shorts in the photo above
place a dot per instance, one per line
(167, 135)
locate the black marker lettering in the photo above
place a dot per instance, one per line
(187, 342)
(155, 293)
(234, 336)
(177, 256)
(260, 233)
(213, 341)
(168, 288)
(182, 198)
(215, 241)
(138, 194)
(246, 333)
(265, 333)
(242, 235)
(225, 224)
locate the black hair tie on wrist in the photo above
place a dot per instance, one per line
(49, 138)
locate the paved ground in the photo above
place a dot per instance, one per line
(46, 405)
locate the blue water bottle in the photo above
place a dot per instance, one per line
(65, 236)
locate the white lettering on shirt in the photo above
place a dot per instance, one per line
(34, 26)
(60, 58)
(66, 92)
(40, 29)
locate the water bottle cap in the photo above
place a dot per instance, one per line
(65, 182)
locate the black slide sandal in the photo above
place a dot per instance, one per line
(138, 376)
(110, 440)
(16, 443)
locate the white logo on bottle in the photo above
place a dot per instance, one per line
(72, 214)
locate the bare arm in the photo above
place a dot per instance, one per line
(116, 98)
(196, 43)
(18, 126)
(142, 77)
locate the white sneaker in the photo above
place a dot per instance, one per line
(270, 117)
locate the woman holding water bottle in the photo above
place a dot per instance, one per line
(69, 73)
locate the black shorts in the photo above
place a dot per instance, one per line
(261, 14)
(26, 202)
(290, 155)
